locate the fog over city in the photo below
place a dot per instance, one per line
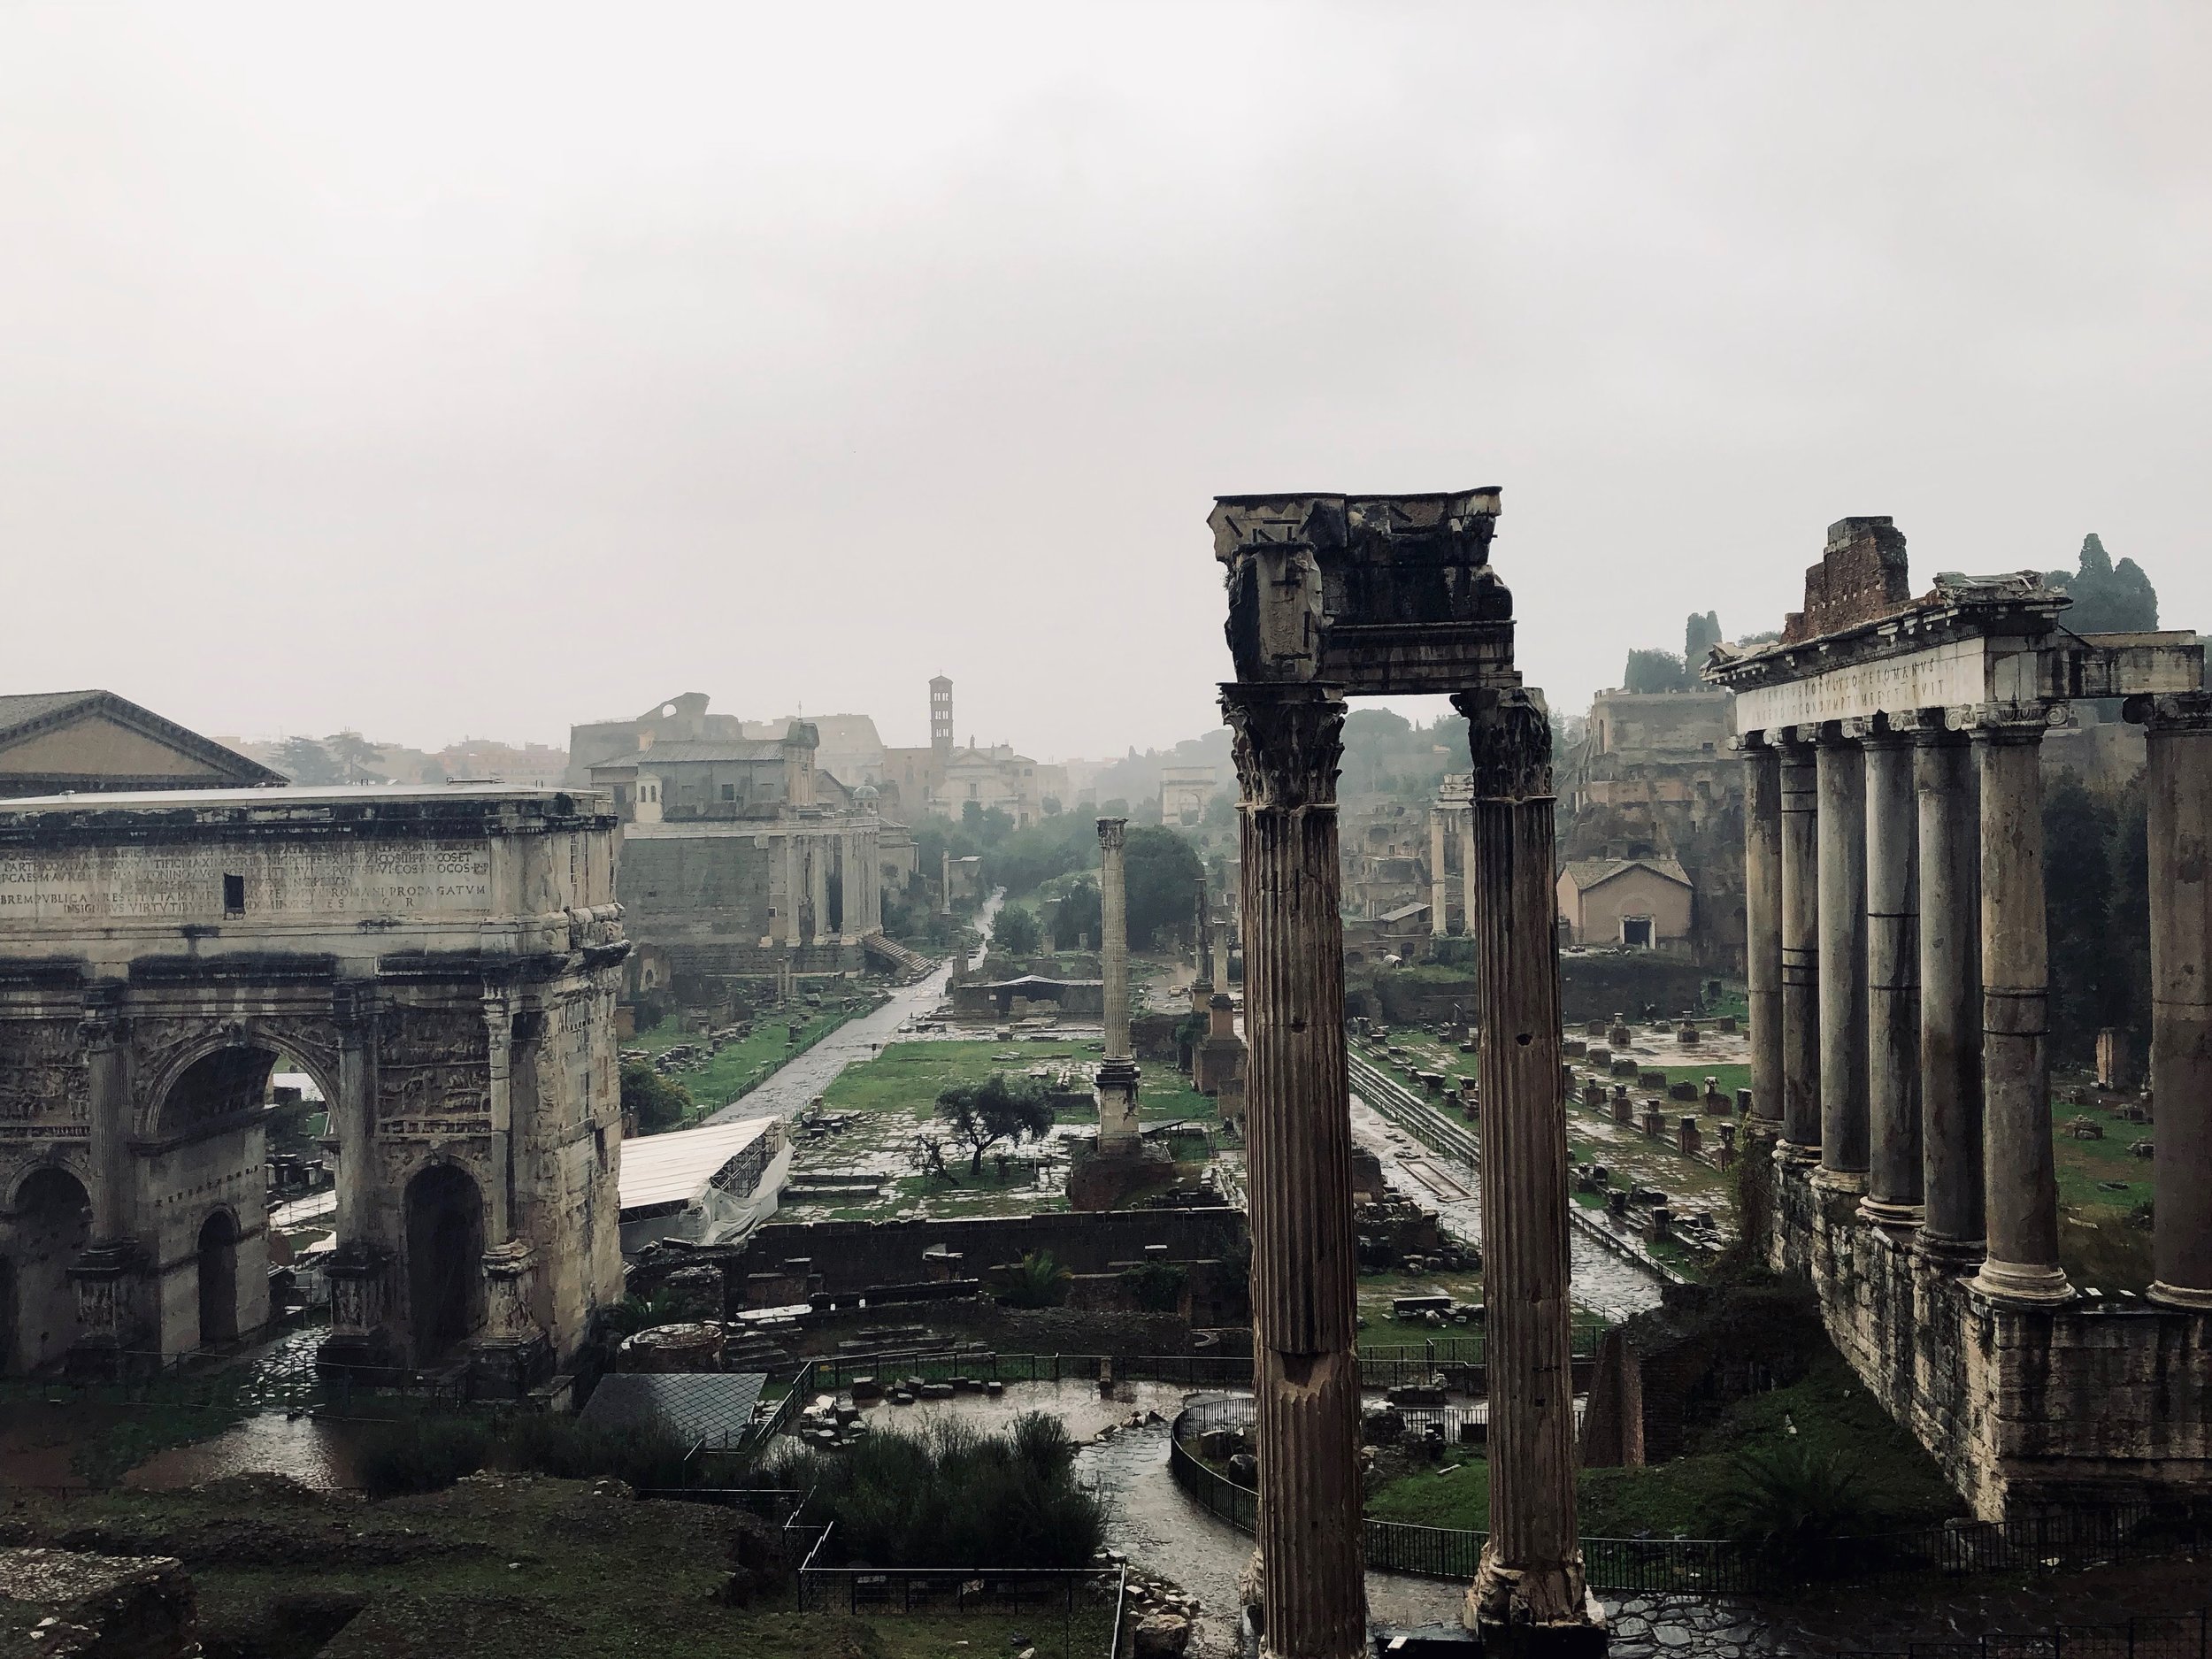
(435, 372)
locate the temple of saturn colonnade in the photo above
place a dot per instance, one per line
(1333, 595)
(1898, 981)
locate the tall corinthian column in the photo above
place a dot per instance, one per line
(1893, 977)
(1440, 886)
(2022, 1265)
(2180, 787)
(1288, 740)
(1529, 1593)
(1801, 954)
(1762, 923)
(1950, 999)
(1117, 1070)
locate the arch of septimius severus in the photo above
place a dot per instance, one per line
(443, 963)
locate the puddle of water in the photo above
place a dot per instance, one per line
(306, 1449)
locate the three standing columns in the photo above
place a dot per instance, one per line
(1288, 740)
(2178, 775)
(1529, 1593)
(2021, 1165)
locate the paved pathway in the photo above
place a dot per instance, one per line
(802, 1078)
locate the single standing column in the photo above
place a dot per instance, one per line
(2022, 1265)
(1116, 1070)
(1288, 740)
(1843, 1114)
(1529, 1593)
(1440, 888)
(2178, 778)
(1801, 953)
(1762, 922)
(1950, 998)
(1892, 976)
(817, 888)
(944, 881)
(1466, 821)
(106, 1037)
(794, 884)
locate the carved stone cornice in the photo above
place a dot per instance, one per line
(1509, 740)
(2173, 712)
(1287, 740)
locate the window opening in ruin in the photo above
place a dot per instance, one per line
(233, 896)
(218, 1279)
(53, 1224)
(445, 1250)
(729, 792)
(1636, 932)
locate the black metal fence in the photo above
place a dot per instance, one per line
(1088, 1603)
(2146, 1636)
(1690, 1566)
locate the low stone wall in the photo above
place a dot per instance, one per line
(2023, 1409)
(851, 1256)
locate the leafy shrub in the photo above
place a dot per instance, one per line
(950, 1497)
(1791, 1503)
(647, 1456)
(656, 1103)
(420, 1453)
(1155, 1287)
(1036, 1281)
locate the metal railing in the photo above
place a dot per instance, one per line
(1077, 1596)
(1691, 1566)
(2146, 1636)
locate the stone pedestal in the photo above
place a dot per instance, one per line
(1288, 740)
(511, 1355)
(1529, 1593)
(2178, 776)
(2022, 1188)
(113, 1341)
(360, 1338)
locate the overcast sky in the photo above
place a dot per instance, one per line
(471, 370)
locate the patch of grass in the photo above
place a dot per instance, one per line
(1896, 1485)
(121, 1446)
(746, 1064)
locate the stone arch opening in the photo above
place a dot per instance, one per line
(445, 1252)
(218, 1279)
(221, 1086)
(52, 1227)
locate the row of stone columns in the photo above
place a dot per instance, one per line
(1444, 822)
(1900, 980)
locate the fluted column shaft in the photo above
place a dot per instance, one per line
(1531, 1579)
(1762, 925)
(1892, 983)
(1466, 821)
(1801, 954)
(1289, 740)
(1946, 794)
(2022, 1188)
(2178, 778)
(1843, 1003)
(105, 1036)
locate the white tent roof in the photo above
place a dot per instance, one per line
(664, 1169)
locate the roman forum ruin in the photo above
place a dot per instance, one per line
(443, 963)
(1332, 596)
(1899, 987)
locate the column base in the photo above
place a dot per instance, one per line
(1828, 1181)
(1951, 1256)
(1795, 1155)
(2179, 1296)
(2022, 1284)
(1117, 1133)
(1892, 1217)
(1521, 1637)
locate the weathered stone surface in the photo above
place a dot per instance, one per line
(109, 1606)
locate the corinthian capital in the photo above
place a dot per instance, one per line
(1111, 832)
(1287, 740)
(1509, 739)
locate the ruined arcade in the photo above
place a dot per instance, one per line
(442, 963)
(1900, 986)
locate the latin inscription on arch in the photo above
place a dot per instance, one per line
(98, 884)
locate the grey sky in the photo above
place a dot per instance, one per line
(473, 370)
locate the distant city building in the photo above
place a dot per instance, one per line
(1641, 903)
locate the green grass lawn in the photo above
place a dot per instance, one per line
(1898, 1484)
(748, 1062)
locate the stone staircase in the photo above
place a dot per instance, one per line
(900, 961)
